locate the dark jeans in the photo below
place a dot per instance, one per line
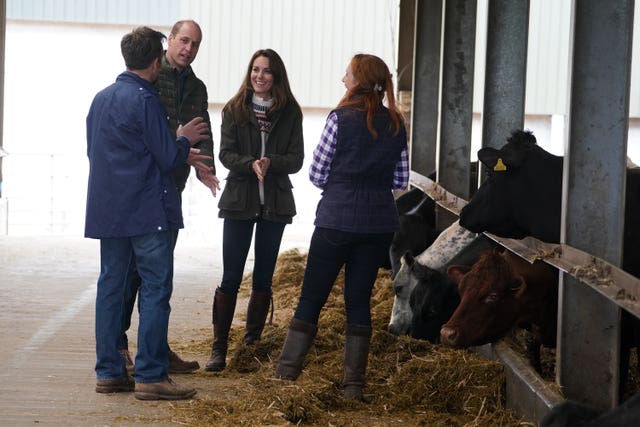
(361, 254)
(153, 256)
(236, 241)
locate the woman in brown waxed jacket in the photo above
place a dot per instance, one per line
(261, 144)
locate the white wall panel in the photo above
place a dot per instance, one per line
(315, 39)
(548, 59)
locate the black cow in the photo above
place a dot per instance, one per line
(575, 414)
(432, 301)
(417, 227)
(523, 195)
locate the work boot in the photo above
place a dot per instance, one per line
(299, 338)
(115, 385)
(223, 308)
(179, 366)
(257, 311)
(163, 390)
(356, 354)
(128, 361)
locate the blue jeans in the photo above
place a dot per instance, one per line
(360, 254)
(153, 257)
(236, 241)
(131, 292)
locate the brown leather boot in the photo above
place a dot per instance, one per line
(116, 385)
(128, 361)
(299, 338)
(356, 354)
(257, 311)
(163, 390)
(223, 308)
(179, 366)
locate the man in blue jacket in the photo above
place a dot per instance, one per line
(134, 209)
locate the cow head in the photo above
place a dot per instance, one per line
(432, 301)
(403, 284)
(521, 195)
(490, 298)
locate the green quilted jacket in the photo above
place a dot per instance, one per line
(194, 103)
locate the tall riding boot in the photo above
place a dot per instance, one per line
(224, 306)
(299, 338)
(356, 354)
(257, 311)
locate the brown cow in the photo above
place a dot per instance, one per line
(499, 291)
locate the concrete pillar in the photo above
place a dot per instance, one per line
(593, 212)
(457, 100)
(426, 85)
(506, 70)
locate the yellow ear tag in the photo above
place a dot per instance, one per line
(499, 167)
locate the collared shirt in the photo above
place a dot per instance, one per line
(323, 155)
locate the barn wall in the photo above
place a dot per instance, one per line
(316, 39)
(150, 12)
(548, 58)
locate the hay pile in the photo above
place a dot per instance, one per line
(409, 382)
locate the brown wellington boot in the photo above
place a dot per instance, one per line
(223, 308)
(356, 354)
(257, 311)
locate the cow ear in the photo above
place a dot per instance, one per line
(518, 286)
(489, 157)
(408, 259)
(457, 272)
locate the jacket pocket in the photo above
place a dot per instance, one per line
(285, 204)
(235, 195)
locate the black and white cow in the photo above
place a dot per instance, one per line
(446, 246)
(435, 296)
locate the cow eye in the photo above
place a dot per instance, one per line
(492, 297)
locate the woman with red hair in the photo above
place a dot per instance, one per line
(361, 157)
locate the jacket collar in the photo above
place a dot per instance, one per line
(167, 66)
(128, 76)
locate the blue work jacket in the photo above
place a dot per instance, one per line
(131, 155)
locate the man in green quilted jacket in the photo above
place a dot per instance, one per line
(184, 97)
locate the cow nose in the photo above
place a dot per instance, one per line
(448, 336)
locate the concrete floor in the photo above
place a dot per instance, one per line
(47, 351)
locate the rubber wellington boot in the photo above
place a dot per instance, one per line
(356, 354)
(299, 338)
